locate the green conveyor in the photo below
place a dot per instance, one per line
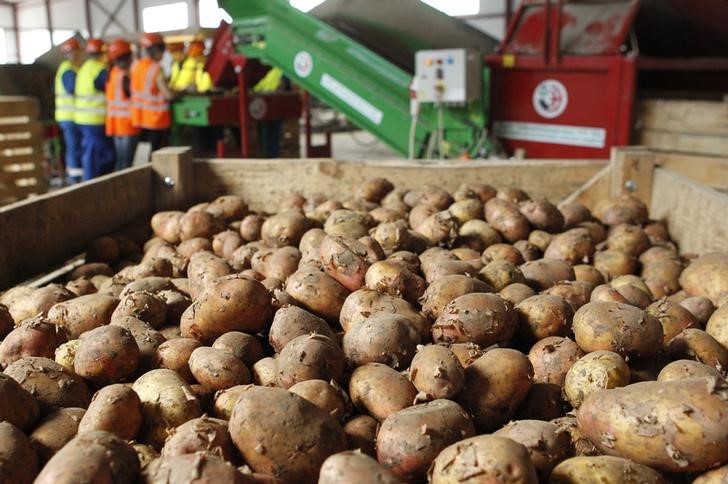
(357, 56)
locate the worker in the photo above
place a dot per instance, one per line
(192, 76)
(65, 88)
(270, 131)
(149, 93)
(177, 51)
(97, 152)
(118, 105)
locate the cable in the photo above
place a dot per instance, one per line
(440, 130)
(413, 130)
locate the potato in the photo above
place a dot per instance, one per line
(174, 354)
(346, 260)
(606, 293)
(662, 277)
(115, 409)
(244, 346)
(52, 386)
(685, 369)
(204, 269)
(625, 208)
(438, 228)
(580, 444)
(309, 357)
(466, 209)
(543, 402)
(441, 292)
(436, 373)
(543, 273)
(142, 305)
(265, 372)
(395, 236)
(192, 246)
(347, 223)
(361, 434)
(546, 445)
(507, 220)
(597, 231)
(671, 426)
(543, 315)
(715, 476)
(351, 466)
(228, 208)
(410, 439)
(528, 251)
(673, 318)
(717, 325)
(700, 307)
(282, 434)
(108, 354)
(250, 227)
(598, 370)
(225, 243)
(621, 328)
(501, 273)
(329, 397)
(540, 239)
(382, 338)
(552, 357)
(32, 337)
(396, 280)
(495, 384)
(55, 431)
(574, 246)
(630, 239)
(363, 303)
(292, 321)
(705, 276)
(478, 235)
(203, 434)
(217, 369)
(147, 339)
(466, 353)
(318, 292)
(17, 405)
(481, 318)
(167, 402)
(200, 467)
(88, 270)
(613, 263)
(485, 458)
(18, 460)
(576, 293)
(66, 354)
(590, 274)
(231, 303)
(165, 252)
(696, 344)
(166, 225)
(574, 213)
(37, 303)
(543, 215)
(198, 223)
(83, 313)
(516, 292)
(380, 391)
(81, 287)
(603, 468)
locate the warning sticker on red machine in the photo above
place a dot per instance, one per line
(550, 98)
(560, 134)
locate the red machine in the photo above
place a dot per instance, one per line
(567, 74)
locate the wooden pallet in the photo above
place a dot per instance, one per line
(40, 234)
(21, 149)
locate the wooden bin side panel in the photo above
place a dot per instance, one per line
(696, 216)
(263, 182)
(38, 234)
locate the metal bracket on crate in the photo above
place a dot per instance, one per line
(169, 182)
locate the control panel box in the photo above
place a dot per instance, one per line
(448, 76)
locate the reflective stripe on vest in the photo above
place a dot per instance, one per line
(149, 108)
(64, 100)
(118, 106)
(90, 103)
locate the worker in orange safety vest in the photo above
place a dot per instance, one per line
(118, 105)
(150, 95)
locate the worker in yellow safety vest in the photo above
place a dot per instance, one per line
(65, 87)
(97, 151)
(177, 51)
(191, 76)
(270, 131)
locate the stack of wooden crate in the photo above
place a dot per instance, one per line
(21, 149)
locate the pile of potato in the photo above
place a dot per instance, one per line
(479, 336)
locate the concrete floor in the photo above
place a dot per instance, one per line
(356, 145)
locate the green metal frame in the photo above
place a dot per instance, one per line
(372, 92)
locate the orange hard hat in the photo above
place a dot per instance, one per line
(118, 48)
(195, 48)
(151, 39)
(70, 45)
(95, 46)
(176, 47)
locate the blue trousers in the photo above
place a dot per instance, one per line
(97, 151)
(125, 147)
(72, 140)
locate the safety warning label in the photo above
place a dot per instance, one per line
(364, 107)
(560, 134)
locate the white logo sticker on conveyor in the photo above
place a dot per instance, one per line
(303, 64)
(550, 98)
(364, 107)
(559, 134)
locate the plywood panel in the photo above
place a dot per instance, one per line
(263, 182)
(695, 215)
(39, 234)
(687, 117)
(703, 144)
(710, 170)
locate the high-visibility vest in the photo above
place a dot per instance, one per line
(90, 104)
(174, 74)
(118, 106)
(203, 81)
(270, 82)
(149, 108)
(64, 100)
(191, 73)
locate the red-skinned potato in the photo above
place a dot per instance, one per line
(166, 225)
(552, 358)
(33, 337)
(346, 260)
(108, 354)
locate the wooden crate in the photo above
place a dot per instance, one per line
(21, 149)
(682, 126)
(38, 234)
